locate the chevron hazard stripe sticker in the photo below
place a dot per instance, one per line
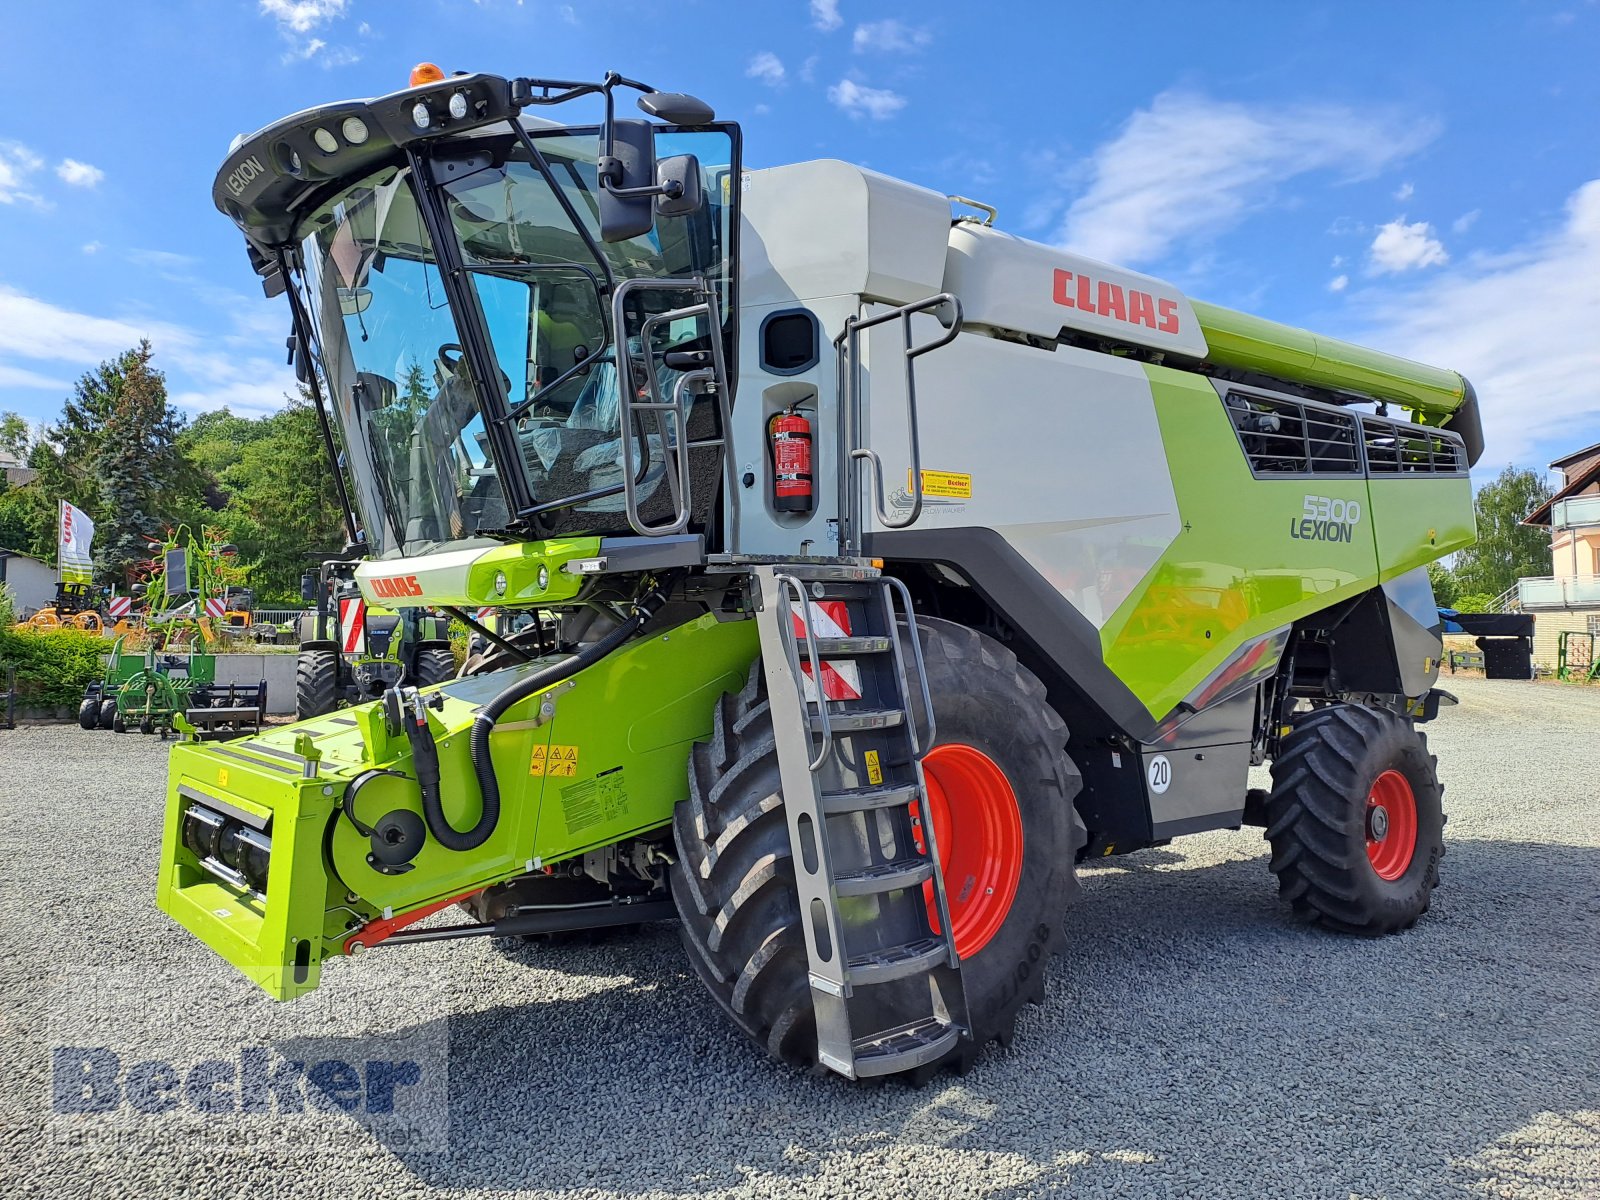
(352, 624)
(841, 678)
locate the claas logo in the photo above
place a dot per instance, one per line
(396, 587)
(1113, 300)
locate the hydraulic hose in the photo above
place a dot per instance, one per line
(483, 725)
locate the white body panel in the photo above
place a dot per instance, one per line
(1006, 282)
(1063, 450)
(827, 228)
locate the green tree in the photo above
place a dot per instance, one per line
(1445, 587)
(1506, 549)
(115, 454)
(15, 438)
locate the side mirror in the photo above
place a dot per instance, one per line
(309, 582)
(678, 178)
(627, 181)
(299, 359)
(353, 300)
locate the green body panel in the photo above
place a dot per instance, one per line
(1420, 520)
(1236, 339)
(607, 761)
(1237, 571)
(465, 575)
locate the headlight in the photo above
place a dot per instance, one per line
(354, 130)
(325, 140)
(421, 115)
(458, 106)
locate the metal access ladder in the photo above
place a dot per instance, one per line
(885, 976)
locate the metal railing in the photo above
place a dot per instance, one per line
(1559, 592)
(853, 453)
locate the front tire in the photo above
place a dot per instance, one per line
(89, 713)
(435, 664)
(734, 884)
(316, 684)
(1356, 820)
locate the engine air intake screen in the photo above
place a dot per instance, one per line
(1287, 437)
(1400, 448)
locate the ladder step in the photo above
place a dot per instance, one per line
(896, 962)
(844, 647)
(857, 720)
(904, 1048)
(865, 799)
(885, 877)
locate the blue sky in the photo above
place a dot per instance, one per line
(1422, 177)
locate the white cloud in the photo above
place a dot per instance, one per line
(1338, 261)
(19, 377)
(825, 15)
(1402, 247)
(861, 101)
(568, 14)
(79, 174)
(17, 163)
(1465, 221)
(889, 37)
(767, 67)
(1520, 325)
(93, 247)
(1188, 167)
(1405, 191)
(37, 330)
(808, 69)
(301, 16)
(1338, 283)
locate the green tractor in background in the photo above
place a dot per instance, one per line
(355, 651)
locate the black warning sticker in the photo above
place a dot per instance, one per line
(595, 801)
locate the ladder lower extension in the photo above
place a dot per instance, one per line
(885, 975)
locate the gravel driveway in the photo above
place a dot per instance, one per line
(1195, 1042)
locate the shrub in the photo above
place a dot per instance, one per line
(52, 668)
(8, 607)
(1473, 602)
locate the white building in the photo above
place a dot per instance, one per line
(32, 582)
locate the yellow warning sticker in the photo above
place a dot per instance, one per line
(953, 485)
(554, 760)
(222, 777)
(874, 771)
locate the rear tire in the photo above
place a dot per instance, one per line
(734, 884)
(107, 714)
(435, 664)
(316, 684)
(1356, 821)
(89, 713)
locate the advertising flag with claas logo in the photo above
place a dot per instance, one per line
(73, 563)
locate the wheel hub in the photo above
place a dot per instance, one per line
(978, 826)
(1391, 825)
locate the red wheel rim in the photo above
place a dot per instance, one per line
(1391, 825)
(978, 826)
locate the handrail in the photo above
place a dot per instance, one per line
(787, 584)
(847, 348)
(676, 409)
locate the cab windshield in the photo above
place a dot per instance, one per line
(421, 461)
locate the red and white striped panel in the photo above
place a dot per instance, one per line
(352, 623)
(484, 616)
(215, 608)
(120, 606)
(841, 678)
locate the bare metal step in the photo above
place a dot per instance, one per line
(905, 1048)
(858, 720)
(896, 962)
(844, 647)
(865, 799)
(884, 877)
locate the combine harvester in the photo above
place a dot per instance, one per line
(898, 564)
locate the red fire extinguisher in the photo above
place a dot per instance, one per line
(789, 442)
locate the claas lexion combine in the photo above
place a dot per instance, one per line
(896, 564)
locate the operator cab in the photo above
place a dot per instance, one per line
(519, 327)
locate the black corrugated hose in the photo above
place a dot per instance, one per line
(427, 762)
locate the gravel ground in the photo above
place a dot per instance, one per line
(1195, 1042)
